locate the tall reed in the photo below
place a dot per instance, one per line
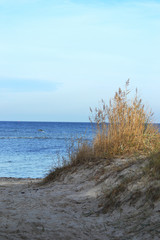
(130, 129)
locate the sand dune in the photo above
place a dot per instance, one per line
(72, 207)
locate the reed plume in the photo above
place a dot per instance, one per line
(130, 129)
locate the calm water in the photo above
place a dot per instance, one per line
(30, 149)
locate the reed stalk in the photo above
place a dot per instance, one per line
(130, 127)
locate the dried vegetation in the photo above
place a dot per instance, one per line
(130, 129)
(129, 132)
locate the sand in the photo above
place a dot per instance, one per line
(72, 207)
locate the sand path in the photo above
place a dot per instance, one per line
(67, 209)
(58, 210)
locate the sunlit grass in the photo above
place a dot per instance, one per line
(130, 129)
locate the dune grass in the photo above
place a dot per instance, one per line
(130, 131)
(153, 167)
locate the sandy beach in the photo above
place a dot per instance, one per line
(72, 207)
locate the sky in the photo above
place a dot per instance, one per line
(58, 58)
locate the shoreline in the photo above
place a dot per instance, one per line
(14, 180)
(18, 178)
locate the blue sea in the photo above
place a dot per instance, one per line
(31, 149)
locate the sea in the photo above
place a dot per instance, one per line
(32, 149)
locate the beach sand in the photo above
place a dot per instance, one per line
(72, 207)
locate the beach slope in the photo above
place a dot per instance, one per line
(97, 202)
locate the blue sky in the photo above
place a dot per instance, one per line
(58, 58)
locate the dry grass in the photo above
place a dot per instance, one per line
(83, 154)
(55, 174)
(130, 128)
(153, 168)
(112, 198)
(129, 132)
(78, 152)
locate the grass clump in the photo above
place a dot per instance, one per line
(78, 152)
(53, 175)
(153, 167)
(130, 129)
(82, 154)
